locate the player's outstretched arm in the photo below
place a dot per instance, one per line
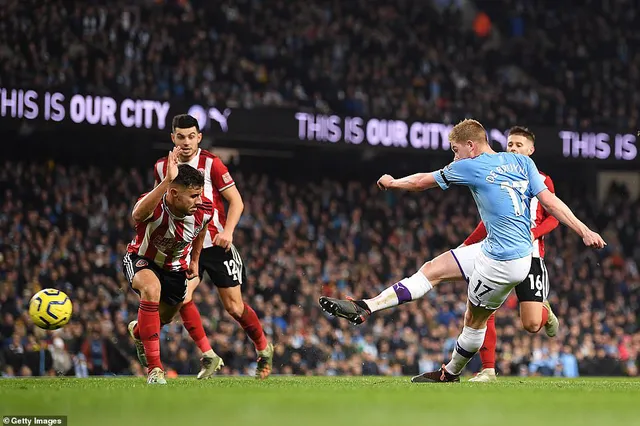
(146, 205)
(556, 207)
(415, 182)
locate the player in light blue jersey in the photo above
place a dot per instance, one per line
(502, 185)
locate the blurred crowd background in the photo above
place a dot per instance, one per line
(503, 62)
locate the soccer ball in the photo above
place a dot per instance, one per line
(50, 309)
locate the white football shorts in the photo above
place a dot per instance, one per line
(490, 281)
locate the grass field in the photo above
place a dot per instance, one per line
(311, 401)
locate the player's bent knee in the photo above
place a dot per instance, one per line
(147, 284)
(532, 326)
(531, 316)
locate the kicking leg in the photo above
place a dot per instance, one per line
(445, 267)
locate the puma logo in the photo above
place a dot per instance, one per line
(202, 115)
(220, 117)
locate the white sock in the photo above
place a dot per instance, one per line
(412, 288)
(469, 342)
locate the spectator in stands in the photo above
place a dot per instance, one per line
(533, 61)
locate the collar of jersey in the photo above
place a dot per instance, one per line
(166, 207)
(194, 157)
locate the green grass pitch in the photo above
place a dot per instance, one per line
(326, 401)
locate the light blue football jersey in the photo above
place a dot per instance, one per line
(502, 185)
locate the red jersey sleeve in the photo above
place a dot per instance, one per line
(220, 176)
(549, 223)
(549, 183)
(478, 234)
(160, 170)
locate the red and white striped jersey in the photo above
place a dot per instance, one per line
(166, 239)
(541, 223)
(216, 179)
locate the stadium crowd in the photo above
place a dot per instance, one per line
(67, 227)
(366, 57)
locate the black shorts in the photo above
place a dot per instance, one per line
(225, 268)
(535, 288)
(173, 285)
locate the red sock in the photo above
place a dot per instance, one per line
(545, 316)
(136, 329)
(149, 322)
(193, 323)
(488, 349)
(251, 325)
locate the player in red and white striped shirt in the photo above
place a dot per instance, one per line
(532, 293)
(219, 258)
(171, 223)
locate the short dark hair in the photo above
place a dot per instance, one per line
(189, 177)
(184, 121)
(522, 131)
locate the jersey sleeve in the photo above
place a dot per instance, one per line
(549, 223)
(208, 208)
(220, 176)
(459, 172)
(536, 183)
(549, 184)
(159, 171)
